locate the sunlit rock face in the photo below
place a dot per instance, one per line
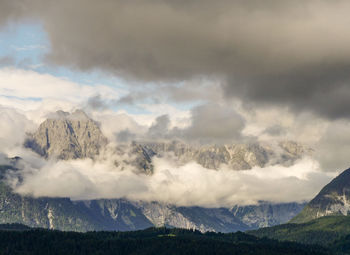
(67, 136)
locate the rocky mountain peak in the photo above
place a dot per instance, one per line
(67, 136)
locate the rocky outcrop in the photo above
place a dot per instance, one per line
(67, 136)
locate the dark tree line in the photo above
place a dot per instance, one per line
(150, 241)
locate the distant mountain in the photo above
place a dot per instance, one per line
(235, 156)
(333, 199)
(71, 136)
(67, 136)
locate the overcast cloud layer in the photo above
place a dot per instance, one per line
(292, 53)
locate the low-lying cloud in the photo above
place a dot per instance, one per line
(187, 185)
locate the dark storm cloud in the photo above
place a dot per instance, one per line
(275, 130)
(212, 122)
(324, 89)
(125, 136)
(294, 53)
(190, 91)
(159, 127)
(97, 102)
(11, 10)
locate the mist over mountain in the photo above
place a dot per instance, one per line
(122, 214)
(65, 140)
(172, 172)
(76, 136)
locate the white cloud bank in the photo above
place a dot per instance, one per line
(186, 185)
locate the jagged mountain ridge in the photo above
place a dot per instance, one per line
(72, 136)
(69, 136)
(235, 156)
(333, 199)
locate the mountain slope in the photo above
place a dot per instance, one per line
(324, 220)
(333, 199)
(323, 231)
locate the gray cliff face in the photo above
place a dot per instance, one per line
(67, 136)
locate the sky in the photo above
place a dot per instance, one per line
(205, 72)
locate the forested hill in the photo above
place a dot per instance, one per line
(150, 241)
(323, 231)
